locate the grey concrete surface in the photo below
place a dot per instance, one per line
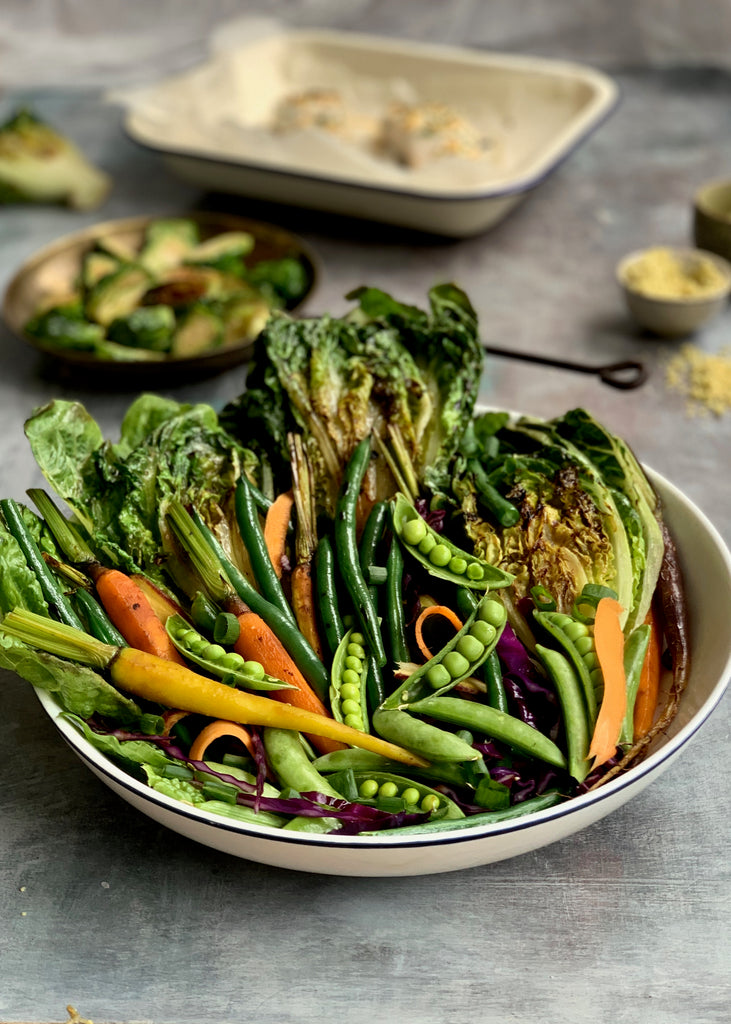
(627, 921)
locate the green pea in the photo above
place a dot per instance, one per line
(458, 565)
(198, 646)
(354, 663)
(368, 789)
(350, 707)
(349, 676)
(440, 556)
(430, 803)
(414, 531)
(356, 638)
(456, 664)
(354, 721)
(561, 620)
(584, 645)
(483, 632)
(410, 796)
(591, 661)
(597, 679)
(470, 647)
(428, 544)
(492, 612)
(253, 669)
(574, 630)
(214, 652)
(356, 651)
(475, 571)
(388, 789)
(232, 660)
(349, 691)
(186, 636)
(438, 676)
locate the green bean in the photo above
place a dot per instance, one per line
(500, 508)
(247, 517)
(369, 541)
(439, 555)
(432, 743)
(496, 724)
(394, 615)
(531, 806)
(347, 549)
(492, 672)
(98, 622)
(50, 587)
(635, 649)
(573, 710)
(228, 666)
(327, 598)
(293, 641)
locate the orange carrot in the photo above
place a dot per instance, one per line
(609, 644)
(276, 524)
(257, 642)
(216, 730)
(303, 606)
(649, 687)
(132, 614)
(163, 605)
(434, 609)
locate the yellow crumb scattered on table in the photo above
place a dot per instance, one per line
(663, 274)
(703, 378)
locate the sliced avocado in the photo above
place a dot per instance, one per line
(96, 265)
(117, 294)
(222, 249)
(118, 247)
(199, 331)
(65, 327)
(167, 243)
(109, 350)
(148, 327)
(244, 316)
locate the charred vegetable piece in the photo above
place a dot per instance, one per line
(149, 327)
(199, 331)
(168, 242)
(117, 294)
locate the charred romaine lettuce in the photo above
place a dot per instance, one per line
(407, 377)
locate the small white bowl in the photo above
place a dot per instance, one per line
(706, 564)
(684, 314)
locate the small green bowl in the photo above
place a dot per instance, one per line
(712, 218)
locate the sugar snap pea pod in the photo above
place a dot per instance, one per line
(468, 714)
(394, 612)
(348, 679)
(577, 643)
(439, 555)
(635, 649)
(573, 708)
(294, 642)
(228, 666)
(417, 796)
(422, 738)
(247, 517)
(287, 757)
(531, 806)
(460, 658)
(327, 596)
(346, 548)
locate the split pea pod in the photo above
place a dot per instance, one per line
(481, 718)
(416, 796)
(348, 682)
(458, 659)
(228, 666)
(573, 709)
(454, 774)
(576, 640)
(492, 673)
(247, 517)
(439, 555)
(531, 806)
(346, 548)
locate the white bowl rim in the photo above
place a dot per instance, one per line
(101, 765)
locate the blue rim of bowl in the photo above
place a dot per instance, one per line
(520, 186)
(98, 764)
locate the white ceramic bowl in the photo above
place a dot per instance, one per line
(211, 125)
(706, 564)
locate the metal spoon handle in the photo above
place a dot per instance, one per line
(625, 375)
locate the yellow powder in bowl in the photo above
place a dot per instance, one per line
(703, 378)
(663, 274)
